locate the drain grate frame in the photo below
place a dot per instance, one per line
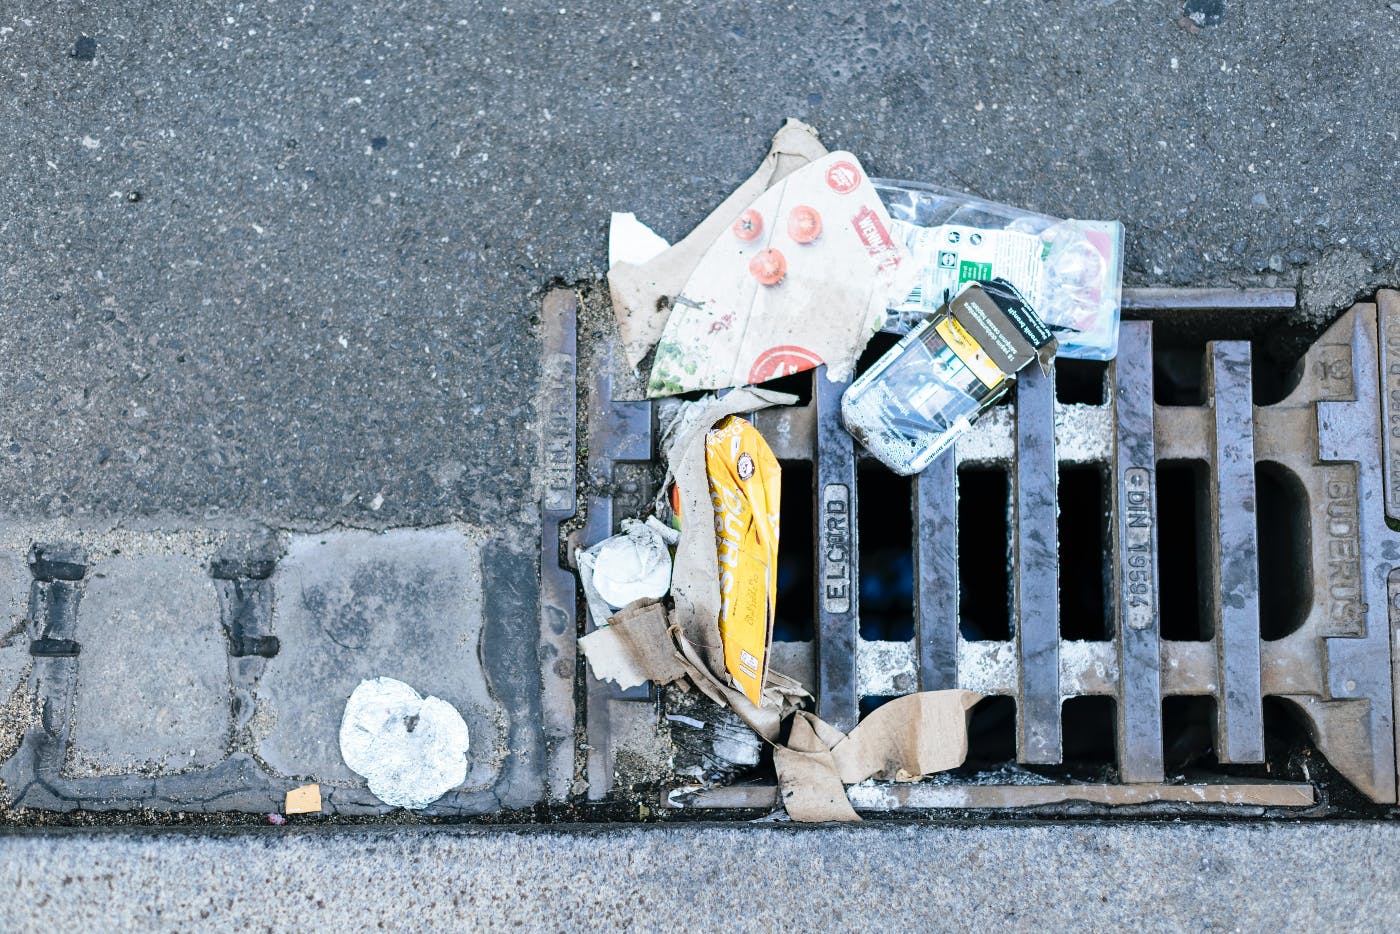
(1336, 668)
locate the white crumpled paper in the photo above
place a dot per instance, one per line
(623, 569)
(411, 749)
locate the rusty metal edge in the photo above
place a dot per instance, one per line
(1209, 299)
(558, 416)
(894, 797)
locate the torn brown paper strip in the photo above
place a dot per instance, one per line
(808, 784)
(634, 647)
(695, 573)
(803, 278)
(641, 292)
(905, 739)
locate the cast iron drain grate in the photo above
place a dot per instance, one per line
(1167, 552)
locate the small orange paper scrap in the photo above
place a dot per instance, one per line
(304, 800)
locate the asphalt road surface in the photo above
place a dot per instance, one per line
(280, 261)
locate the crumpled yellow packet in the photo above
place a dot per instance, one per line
(745, 485)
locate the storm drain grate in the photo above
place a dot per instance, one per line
(1278, 512)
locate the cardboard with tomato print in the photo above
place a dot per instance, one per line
(802, 277)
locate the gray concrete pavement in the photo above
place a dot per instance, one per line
(1152, 877)
(277, 261)
(182, 691)
(407, 604)
(152, 691)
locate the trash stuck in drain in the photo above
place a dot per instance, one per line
(802, 277)
(798, 269)
(915, 400)
(745, 487)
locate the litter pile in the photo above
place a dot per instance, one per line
(799, 268)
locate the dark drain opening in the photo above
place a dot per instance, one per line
(1087, 725)
(793, 617)
(867, 704)
(1285, 547)
(1183, 550)
(991, 733)
(1083, 545)
(1292, 754)
(984, 578)
(1188, 732)
(1080, 382)
(886, 555)
(799, 384)
(874, 351)
(1179, 373)
(1286, 732)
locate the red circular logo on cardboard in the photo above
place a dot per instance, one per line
(843, 177)
(782, 361)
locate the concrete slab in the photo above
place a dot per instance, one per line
(15, 706)
(1155, 877)
(152, 692)
(352, 605)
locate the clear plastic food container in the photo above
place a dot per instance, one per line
(919, 396)
(1070, 270)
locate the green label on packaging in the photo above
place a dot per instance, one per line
(973, 272)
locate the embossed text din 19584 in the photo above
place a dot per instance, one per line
(1138, 564)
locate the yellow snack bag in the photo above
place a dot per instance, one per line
(745, 483)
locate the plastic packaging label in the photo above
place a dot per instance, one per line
(1071, 271)
(952, 255)
(745, 488)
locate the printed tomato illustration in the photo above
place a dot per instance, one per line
(769, 267)
(782, 361)
(804, 224)
(843, 177)
(749, 225)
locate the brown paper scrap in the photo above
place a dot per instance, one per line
(808, 784)
(904, 739)
(781, 298)
(303, 800)
(907, 738)
(641, 292)
(635, 647)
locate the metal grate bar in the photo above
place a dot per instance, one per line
(936, 572)
(618, 431)
(1358, 675)
(1235, 568)
(1388, 326)
(1036, 560)
(892, 797)
(558, 624)
(838, 597)
(1177, 300)
(1139, 734)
